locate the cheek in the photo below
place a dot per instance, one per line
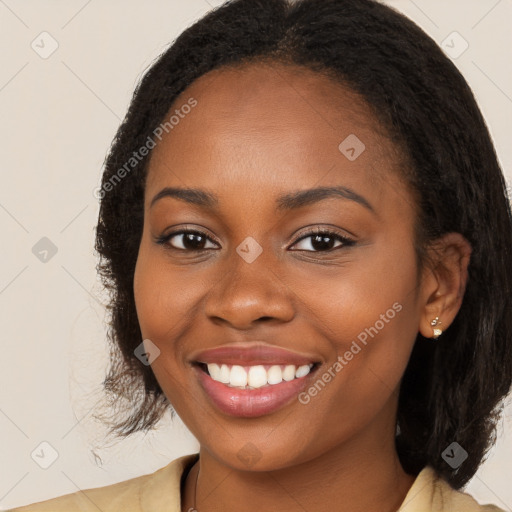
(165, 300)
(369, 314)
(164, 308)
(147, 289)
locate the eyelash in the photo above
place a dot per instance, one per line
(346, 242)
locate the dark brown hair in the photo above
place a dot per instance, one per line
(451, 390)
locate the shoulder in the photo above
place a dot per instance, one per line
(430, 493)
(154, 491)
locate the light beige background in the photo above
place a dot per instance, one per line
(59, 116)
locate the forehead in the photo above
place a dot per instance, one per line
(273, 126)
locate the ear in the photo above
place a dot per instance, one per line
(444, 282)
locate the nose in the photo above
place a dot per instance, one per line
(250, 293)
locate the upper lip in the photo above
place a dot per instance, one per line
(252, 354)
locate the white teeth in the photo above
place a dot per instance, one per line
(274, 375)
(214, 371)
(302, 371)
(238, 376)
(257, 376)
(224, 374)
(289, 372)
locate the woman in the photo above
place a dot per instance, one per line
(307, 238)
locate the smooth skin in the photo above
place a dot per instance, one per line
(259, 132)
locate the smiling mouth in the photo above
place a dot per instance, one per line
(255, 376)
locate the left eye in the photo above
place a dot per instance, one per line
(321, 241)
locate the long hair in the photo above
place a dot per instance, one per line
(451, 390)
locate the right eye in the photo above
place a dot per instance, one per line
(189, 240)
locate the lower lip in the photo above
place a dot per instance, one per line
(250, 403)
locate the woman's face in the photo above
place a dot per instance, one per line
(256, 137)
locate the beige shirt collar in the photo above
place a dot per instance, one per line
(428, 493)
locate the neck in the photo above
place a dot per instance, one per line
(362, 475)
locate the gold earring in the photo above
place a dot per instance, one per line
(437, 331)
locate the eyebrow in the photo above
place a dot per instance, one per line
(289, 201)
